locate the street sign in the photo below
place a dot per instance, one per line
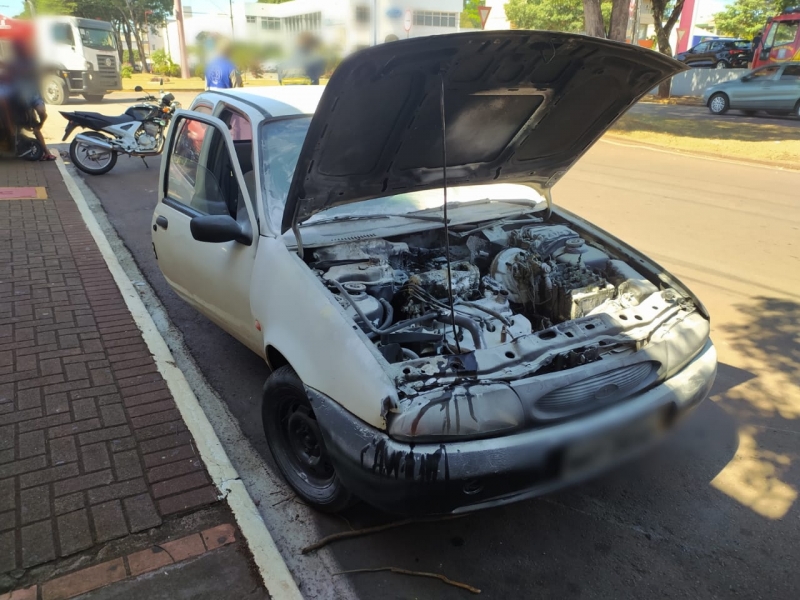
(407, 21)
(484, 11)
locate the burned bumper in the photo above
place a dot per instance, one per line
(469, 475)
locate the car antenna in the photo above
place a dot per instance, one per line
(446, 222)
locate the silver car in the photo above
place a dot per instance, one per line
(774, 88)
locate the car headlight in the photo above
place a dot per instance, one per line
(89, 66)
(459, 412)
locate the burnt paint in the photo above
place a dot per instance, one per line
(389, 462)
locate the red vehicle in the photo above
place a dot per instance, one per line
(780, 41)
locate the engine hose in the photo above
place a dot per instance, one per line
(388, 315)
(468, 324)
(382, 331)
(493, 313)
(409, 353)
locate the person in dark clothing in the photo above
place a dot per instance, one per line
(756, 48)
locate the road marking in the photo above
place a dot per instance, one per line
(273, 569)
(730, 161)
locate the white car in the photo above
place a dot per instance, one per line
(430, 357)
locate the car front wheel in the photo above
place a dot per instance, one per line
(296, 443)
(796, 110)
(718, 104)
(721, 64)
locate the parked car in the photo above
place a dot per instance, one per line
(774, 88)
(432, 356)
(719, 54)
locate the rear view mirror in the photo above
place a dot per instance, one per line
(217, 229)
(138, 88)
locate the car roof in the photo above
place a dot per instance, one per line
(278, 100)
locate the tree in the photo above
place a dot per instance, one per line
(553, 15)
(745, 18)
(665, 15)
(470, 18)
(593, 18)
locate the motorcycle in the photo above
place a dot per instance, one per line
(139, 131)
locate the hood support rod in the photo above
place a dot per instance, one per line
(446, 221)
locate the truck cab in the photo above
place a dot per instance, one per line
(781, 40)
(79, 57)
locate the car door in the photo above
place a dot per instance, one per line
(712, 56)
(697, 55)
(787, 87)
(202, 187)
(754, 92)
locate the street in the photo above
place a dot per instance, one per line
(712, 512)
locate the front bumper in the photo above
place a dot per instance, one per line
(93, 82)
(462, 476)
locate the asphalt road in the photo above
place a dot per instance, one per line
(701, 113)
(711, 513)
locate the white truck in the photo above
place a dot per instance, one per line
(78, 57)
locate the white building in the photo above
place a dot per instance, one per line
(346, 25)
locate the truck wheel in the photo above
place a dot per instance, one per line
(296, 443)
(94, 98)
(54, 90)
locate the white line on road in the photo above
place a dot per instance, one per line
(273, 569)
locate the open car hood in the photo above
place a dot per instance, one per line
(520, 106)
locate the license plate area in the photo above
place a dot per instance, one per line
(600, 451)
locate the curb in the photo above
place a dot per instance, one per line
(127, 567)
(272, 568)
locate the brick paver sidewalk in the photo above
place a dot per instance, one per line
(92, 446)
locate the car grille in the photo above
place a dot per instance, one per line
(596, 391)
(107, 68)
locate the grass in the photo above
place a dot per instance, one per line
(770, 142)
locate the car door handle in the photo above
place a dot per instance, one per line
(162, 222)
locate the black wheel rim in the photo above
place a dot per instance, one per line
(304, 445)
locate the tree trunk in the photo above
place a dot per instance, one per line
(127, 30)
(662, 38)
(593, 18)
(118, 35)
(618, 28)
(133, 25)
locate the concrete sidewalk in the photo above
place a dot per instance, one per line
(96, 463)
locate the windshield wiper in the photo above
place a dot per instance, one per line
(342, 218)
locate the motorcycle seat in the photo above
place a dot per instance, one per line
(100, 118)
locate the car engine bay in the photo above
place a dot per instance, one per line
(508, 280)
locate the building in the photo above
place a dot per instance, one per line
(345, 25)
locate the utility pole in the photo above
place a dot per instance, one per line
(374, 22)
(181, 40)
(230, 3)
(32, 7)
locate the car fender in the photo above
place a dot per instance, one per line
(302, 321)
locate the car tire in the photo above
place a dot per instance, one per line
(54, 90)
(721, 64)
(87, 167)
(796, 111)
(94, 98)
(719, 103)
(296, 443)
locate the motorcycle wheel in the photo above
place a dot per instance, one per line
(90, 159)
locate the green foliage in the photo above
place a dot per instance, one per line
(470, 18)
(745, 18)
(551, 15)
(163, 65)
(126, 58)
(200, 71)
(126, 71)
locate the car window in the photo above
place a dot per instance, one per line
(281, 142)
(701, 47)
(203, 108)
(791, 72)
(782, 33)
(741, 45)
(764, 72)
(717, 46)
(62, 34)
(201, 172)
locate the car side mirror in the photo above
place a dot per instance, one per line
(216, 229)
(747, 78)
(138, 88)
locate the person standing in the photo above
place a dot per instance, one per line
(221, 72)
(755, 46)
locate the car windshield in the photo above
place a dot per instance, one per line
(98, 39)
(741, 45)
(281, 141)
